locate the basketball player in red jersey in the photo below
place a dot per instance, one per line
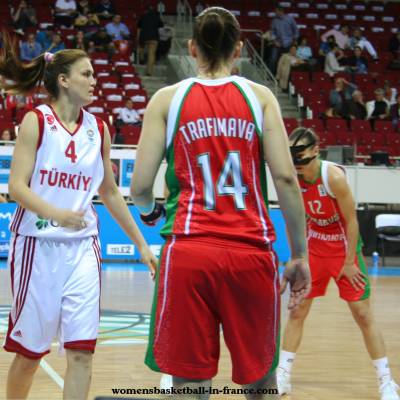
(61, 160)
(217, 266)
(334, 247)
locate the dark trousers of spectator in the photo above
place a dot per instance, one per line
(151, 47)
(163, 48)
(65, 20)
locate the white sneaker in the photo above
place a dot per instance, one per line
(166, 382)
(388, 391)
(283, 381)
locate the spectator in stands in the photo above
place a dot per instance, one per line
(7, 135)
(200, 7)
(357, 39)
(83, 7)
(103, 41)
(355, 108)
(79, 41)
(128, 115)
(395, 114)
(88, 23)
(57, 44)
(45, 38)
(341, 36)
(166, 34)
(117, 29)
(161, 8)
(24, 16)
(65, 12)
(105, 9)
(332, 59)
(304, 52)
(284, 33)
(389, 93)
(325, 48)
(394, 44)
(30, 49)
(338, 96)
(15, 102)
(148, 36)
(285, 65)
(377, 109)
(357, 63)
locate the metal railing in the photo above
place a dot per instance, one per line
(259, 32)
(262, 69)
(184, 18)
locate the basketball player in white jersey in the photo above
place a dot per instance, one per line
(61, 160)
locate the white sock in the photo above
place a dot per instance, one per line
(286, 360)
(382, 370)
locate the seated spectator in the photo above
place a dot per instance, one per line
(45, 38)
(341, 36)
(83, 7)
(377, 109)
(338, 97)
(91, 48)
(332, 65)
(395, 113)
(88, 23)
(285, 64)
(117, 29)
(56, 44)
(304, 51)
(79, 41)
(390, 93)
(30, 49)
(357, 39)
(355, 108)
(65, 12)
(105, 9)
(166, 34)
(15, 102)
(161, 8)
(357, 63)
(7, 135)
(24, 16)
(103, 41)
(128, 115)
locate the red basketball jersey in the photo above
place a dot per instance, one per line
(326, 228)
(216, 171)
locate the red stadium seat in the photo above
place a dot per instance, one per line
(360, 126)
(336, 125)
(315, 124)
(131, 134)
(345, 138)
(384, 127)
(290, 124)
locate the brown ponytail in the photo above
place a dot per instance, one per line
(26, 76)
(216, 32)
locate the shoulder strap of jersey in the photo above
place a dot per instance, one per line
(325, 175)
(40, 118)
(175, 108)
(251, 100)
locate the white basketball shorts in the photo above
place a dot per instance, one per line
(56, 293)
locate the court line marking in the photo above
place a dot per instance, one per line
(53, 374)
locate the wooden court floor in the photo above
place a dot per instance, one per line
(332, 363)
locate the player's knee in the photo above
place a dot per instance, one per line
(26, 364)
(298, 316)
(363, 317)
(81, 358)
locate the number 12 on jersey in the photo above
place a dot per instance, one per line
(229, 183)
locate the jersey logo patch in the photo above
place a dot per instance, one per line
(49, 119)
(90, 135)
(53, 128)
(18, 334)
(322, 191)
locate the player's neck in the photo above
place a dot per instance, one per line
(222, 72)
(66, 112)
(313, 171)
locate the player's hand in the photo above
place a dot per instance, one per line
(356, 278)
(150, 260)
(152, 218)
(70, 219)
(297, 274)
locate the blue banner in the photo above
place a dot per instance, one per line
(117, 246)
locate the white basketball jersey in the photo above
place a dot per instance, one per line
(67, 174)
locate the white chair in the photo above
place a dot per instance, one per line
(387, 229)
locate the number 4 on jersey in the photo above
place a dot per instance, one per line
(70, 151)
(231, 171)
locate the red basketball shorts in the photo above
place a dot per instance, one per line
(202, 287)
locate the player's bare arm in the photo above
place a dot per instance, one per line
(341, 189)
